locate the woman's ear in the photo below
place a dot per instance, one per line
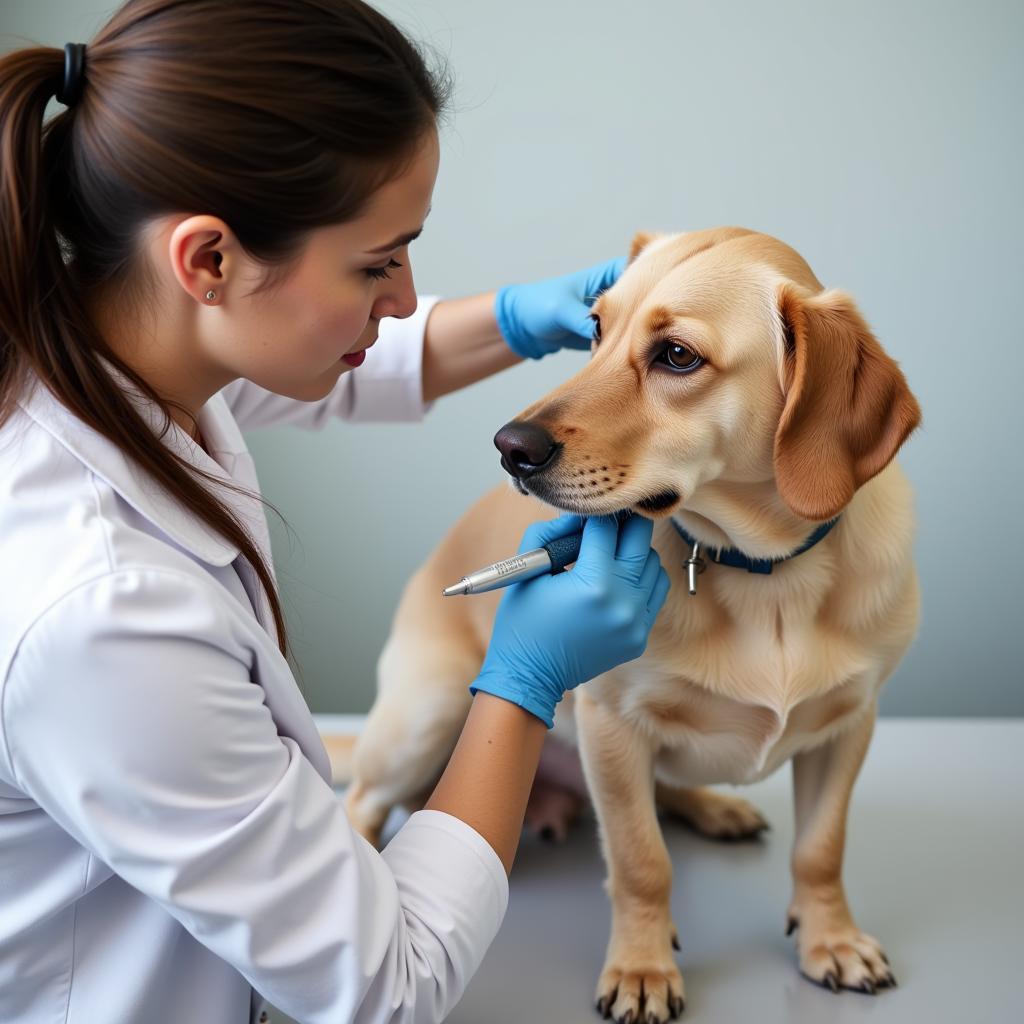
(640, 241)
(848, 408)
(201, 250)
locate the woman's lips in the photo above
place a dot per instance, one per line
(356, 358)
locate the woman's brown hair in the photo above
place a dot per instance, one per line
(278, 116)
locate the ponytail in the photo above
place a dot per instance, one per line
(285, 91)
(31, 268)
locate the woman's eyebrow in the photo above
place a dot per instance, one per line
(401, 240)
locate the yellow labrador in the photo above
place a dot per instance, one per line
(754, 416)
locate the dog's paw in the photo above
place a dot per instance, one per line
(641, 989)
(715, 815)
(837, 954)
(640, 995)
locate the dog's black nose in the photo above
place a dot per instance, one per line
(525, 448)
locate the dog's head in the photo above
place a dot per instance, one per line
(717, 356)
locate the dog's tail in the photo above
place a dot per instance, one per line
(340, 750)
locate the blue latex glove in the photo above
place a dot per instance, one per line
(535, 319)
(552, 633)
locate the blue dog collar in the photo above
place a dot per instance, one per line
(730, 556)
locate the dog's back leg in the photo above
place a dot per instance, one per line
(712, 814)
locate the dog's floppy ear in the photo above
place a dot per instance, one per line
(640, 241)
(848, 407)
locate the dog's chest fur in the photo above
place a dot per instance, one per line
(755, 668)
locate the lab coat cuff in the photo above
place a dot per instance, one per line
(448, 874)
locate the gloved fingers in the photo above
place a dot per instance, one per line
(634, 541)
(658, 595)
(573, 314)
(649, 576)
(577, 340)
(543, 532)
(600, 536)
(603, 276)
(587, 287)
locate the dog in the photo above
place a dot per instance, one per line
(753, 415)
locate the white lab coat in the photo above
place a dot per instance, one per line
(171, 849)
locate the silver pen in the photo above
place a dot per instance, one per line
(551, 558)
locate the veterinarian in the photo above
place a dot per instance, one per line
(207, 238)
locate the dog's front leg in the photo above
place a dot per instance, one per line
(833, 951)
(640, 980)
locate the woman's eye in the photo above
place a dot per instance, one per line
(597, 326)
(379, 272)
(680, 358)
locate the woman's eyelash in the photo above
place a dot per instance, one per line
(379, 272)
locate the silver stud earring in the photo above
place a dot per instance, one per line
(211, 295)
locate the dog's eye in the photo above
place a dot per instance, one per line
(597, 326)
(680, 358)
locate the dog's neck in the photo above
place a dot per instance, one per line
(748, 517)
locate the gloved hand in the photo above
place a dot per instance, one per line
(552, 633)
(535, 319)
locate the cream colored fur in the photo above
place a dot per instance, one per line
(795, 417)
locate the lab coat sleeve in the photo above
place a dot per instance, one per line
(388, 387)
(131, 717)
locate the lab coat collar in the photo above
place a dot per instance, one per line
(154, 502)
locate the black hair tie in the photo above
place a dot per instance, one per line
(74, 67)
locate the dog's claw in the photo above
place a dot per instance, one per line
(678, 1005)
(831, 981)
(675, 942)
(604, 1007)
(868, 986)
(791, 925)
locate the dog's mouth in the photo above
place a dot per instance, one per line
(564, 499)
(660, 502)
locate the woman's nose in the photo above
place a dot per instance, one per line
(399, 300)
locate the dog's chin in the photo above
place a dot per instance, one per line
(654, 506)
